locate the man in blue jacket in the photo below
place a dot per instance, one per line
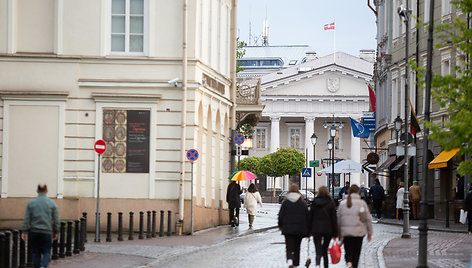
(377, 193)
(41, 223)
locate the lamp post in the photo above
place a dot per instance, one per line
(398, 127)
(330, 148)
(332, 133)
(313, 139)
(404, 13)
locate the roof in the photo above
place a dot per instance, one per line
(342, 59)
(286, 53)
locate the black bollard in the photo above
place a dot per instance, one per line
(29, 253)
(69, 239)
(131, 231)
(108, 227)
(83, 234)
(2, 250)
(14, 250)
(141, 225)
(161, 224)
(55, 248)
(22, 252)
(153, 223)
(120, 226)
(6, 248)
(62, 240)
(169, 222)
(84, 215)
(148, 226)
(76, 237)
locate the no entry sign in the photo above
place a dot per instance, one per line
(192, 154)
(100, 146)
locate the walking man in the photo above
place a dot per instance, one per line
(377, 193)
(415, 196)
(41, 223)
(232, 197)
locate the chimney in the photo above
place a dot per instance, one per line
(310, 55)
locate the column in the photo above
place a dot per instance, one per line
(274, 133)
(355, 156)
(309, 129)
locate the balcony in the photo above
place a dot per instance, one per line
(248, 101)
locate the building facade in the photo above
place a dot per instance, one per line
(152, 78)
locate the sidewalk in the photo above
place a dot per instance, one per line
(433, 225)
(144, 252)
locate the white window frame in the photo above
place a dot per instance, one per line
(127, 27)
(290, 137)
(446, 7)
(256, 138)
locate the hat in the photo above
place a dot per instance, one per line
(415, 181)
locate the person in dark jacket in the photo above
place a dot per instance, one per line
(459, 187)
(468, 208)
(293, 222)
(324, 225)
(377, 193)
(234, 202)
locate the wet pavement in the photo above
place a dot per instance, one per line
(263, 246)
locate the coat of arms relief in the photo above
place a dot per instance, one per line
(333, 84)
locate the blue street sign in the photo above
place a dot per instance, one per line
(192, 154)
(369, 122)
(306, 172)
(239, 138)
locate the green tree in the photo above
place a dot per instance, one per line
(454, 92)
(266, 166)
(288, 161)
(250, 163)
(240, 51)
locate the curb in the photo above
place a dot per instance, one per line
(429, 228)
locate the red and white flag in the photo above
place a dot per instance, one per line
(329, 26)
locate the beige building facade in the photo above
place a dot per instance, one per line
(143, 75)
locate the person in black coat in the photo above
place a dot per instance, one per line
(377, 193)
(468, 208)
(293, 222)
(234, 202)
(324, 224)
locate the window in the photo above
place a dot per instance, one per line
(127, 26)
(295, 134)
(426, 10)
(260, 138)
(126, 133)
(445, 7)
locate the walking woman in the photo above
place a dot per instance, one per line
(354, 222)
(293, 221)
(251, 199)
(323, 224)
(399, 203)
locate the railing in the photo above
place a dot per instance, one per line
(248, 92)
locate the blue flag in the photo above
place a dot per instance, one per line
(358, 130)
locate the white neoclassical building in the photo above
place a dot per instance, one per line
(302, 100)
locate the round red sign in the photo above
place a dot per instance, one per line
(100, 146)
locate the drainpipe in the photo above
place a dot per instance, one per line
(232, 73)
(180, 220)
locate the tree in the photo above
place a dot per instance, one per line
(250, 163)
(454, 92)
(266, 166)
(288, 161)
(240, 51)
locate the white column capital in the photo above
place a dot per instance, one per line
(309, 118)
(275, 118)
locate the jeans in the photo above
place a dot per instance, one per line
(321, 244)
(378, 207)
(352, 248)
(233, 213)
(292, 247)
(41, 245)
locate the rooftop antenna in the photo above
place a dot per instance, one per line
(265, 31)
(250, 35)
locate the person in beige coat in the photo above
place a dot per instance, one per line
(251, 199)
(415, 196)
(354, 222)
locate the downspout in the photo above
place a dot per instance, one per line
(183, 121)
(417, 59)
(373, 10)
(232, 72)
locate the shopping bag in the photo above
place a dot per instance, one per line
(335, 252)
(463, 217)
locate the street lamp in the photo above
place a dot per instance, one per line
(404, 13)
(331, 150)
(332, 133)
(313, 141)
(398, 127)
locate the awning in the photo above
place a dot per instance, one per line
(386, 164)
(441, 160)
(345, 166)
(401, 163)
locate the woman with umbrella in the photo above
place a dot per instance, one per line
(251, 199)
(233, 192)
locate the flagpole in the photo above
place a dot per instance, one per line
(334, 54)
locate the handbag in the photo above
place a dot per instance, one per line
(335, 252)
(463, 217)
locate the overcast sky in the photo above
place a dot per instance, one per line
(301, 22)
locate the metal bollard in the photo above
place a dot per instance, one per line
(130, 237)
(55, 248)
(169, 222)
(120, 226)
(29, 253)
(161, 224)
(2, 250)
(14, 251)
(153, 223)
(108, 227)
(69, 239)
(62, 240)
(6, 248)
(22, 252)
(84, 215)
(148, 226)
(76, 237)
(141, 225)
(83, 234)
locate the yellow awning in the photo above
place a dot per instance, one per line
(441, 160)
